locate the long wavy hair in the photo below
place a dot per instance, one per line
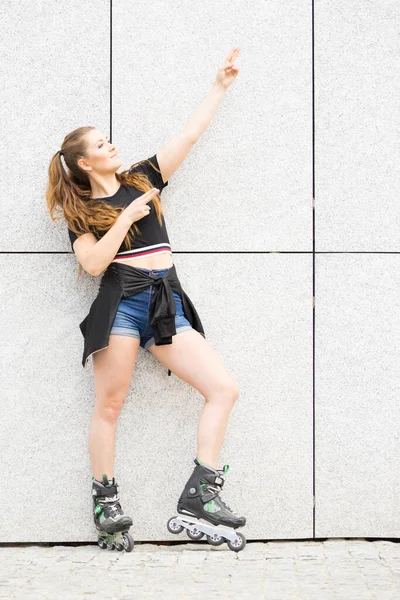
(69, 189)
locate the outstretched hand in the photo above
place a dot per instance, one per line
(229, 71)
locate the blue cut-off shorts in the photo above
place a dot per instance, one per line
(132, 316)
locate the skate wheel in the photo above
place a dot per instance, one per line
(111, 546)
(102, 543)
(173, 526)
(238, 544)
(127, 542)
(196, 535)
(215, 540)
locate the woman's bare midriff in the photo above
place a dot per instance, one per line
(149, 262)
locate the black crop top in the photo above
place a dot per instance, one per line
(154, 239)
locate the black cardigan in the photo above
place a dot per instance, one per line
(119, 281)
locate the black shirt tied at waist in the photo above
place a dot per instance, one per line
(120, 281)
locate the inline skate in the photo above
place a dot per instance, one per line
(200, 502)
(110, 521)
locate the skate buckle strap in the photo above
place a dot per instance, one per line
(107, 499)
(208, 495)
(213, 479)
(109, 490)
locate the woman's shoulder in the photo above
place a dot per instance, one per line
(151, 168)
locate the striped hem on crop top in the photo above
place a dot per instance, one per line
(145, 251)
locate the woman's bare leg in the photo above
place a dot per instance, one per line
(192, 358)
(113, 369)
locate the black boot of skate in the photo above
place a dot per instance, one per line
(201, 510)
(200, 497)
(110, 521)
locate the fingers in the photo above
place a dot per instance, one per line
(152, 192)
(229, 63)
(232, 55)
(147, 196)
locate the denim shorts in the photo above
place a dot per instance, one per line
(132, 316)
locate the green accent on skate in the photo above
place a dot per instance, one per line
(212, 507)
(98, 509)
(227, 468)
(202, 484)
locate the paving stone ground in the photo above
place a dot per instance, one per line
(301, 570)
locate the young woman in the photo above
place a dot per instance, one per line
(116, 225)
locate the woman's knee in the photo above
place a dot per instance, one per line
(235, 389)
(227, 388)
(108, 406)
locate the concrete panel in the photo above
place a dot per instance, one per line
(257, 313)
(55, 77)
(357, 395)
(357, 89)
(246, 185)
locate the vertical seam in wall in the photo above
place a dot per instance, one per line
(313, 248)
(110, 70)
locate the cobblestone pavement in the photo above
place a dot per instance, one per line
(301, 570)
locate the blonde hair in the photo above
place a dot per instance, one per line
(71, 192)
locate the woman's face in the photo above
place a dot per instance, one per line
(102, 156)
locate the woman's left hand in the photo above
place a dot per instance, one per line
(229, 71)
